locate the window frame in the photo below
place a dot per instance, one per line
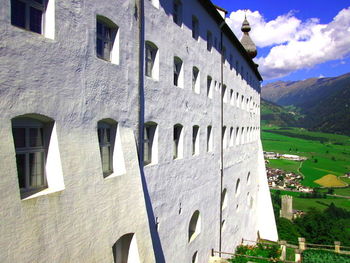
(28, 4)
(151, 51)
(149, 137)
(195, 28)
(177, 71)
(209, 40)
(112, 29)
(177, 12)
(109, 143)
(28, 124)
(177, 140)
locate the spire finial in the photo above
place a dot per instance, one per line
(246, 41)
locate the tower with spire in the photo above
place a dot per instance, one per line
(246, 41)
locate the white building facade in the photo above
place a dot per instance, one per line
(130, 133)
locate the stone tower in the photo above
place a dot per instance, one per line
(287, 207)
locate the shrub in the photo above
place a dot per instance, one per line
(322, 256)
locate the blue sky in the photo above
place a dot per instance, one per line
(296, 39)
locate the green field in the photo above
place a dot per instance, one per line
(326, 153)
(286, 165)
(304, 204)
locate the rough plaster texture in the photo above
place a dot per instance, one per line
(63, 79)
(193, 182)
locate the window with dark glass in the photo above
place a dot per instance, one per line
(106, 32)
(195, 72)
(209, 40)
(176, 141)
(151, 52)
(177, 70)
(28, 14)
(148, 138)
(177, 12)
(209, 139)
(209, 81)
(106, 135)
(195, 140)
(30, 139)
(195, 27)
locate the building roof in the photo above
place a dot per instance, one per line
(212, 11)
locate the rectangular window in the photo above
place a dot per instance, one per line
(28, 14)
(106, 132)
(209, 40)
(28, 135)
(106, 33)
(195, 28)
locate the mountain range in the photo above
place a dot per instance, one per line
(317, 103)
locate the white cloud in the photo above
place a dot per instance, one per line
(295, 44)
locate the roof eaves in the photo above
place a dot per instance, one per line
(211, 9)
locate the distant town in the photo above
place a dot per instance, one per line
(283, 180)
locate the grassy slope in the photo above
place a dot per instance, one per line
(326, 153)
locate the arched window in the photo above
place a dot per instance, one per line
(150, 142)
(177, 12)
(232, 139)
(209, 87)
(223, 199)
(178, 72)
(195, 80)
(195, 257)
(209, 139)
(125, 250)
(248, 178)
(194, 227)
(238, 188)
(111, 153)
(107, 39)
(195, 27)
(224, 138)
(195, 140)
(178, 141)
(152, 61)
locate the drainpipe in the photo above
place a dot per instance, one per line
(139, 14)
(221, 126)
